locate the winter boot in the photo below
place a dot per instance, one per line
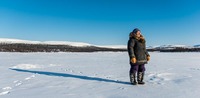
(140, 77)
(133, 78)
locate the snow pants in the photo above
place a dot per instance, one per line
(137, 68)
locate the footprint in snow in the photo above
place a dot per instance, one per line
(80, 72)
(196, 69)
(28, 78)
(17, 83)
(4, 93)
(5, 90)
(108, 77)
(162, 78)
(159, 78)
(122, 88)
(69, 70)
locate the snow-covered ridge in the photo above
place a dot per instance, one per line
(114, 46)
(81, 44)
(16, 45)
(170, 46)
(173, 46)
(197, 46)
(77, 44)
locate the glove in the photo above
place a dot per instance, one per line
(148, 58)
(133, 60)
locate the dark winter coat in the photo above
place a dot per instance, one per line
(137, 48)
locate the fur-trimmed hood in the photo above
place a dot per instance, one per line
(140, 39)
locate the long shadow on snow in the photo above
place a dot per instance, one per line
(70, 75)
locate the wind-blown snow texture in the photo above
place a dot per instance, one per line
(97, 75)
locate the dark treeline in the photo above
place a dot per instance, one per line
(18, 47)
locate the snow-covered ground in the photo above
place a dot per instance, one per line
(97, 75)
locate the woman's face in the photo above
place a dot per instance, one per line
(138, 34)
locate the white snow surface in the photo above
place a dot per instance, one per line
(97, 75)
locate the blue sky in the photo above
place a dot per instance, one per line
(101, 22)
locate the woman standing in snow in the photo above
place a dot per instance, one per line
(138, 56)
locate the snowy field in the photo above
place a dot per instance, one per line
(97, 75)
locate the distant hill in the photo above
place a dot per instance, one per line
(16, 45)
(174, 48)
(197, 46)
